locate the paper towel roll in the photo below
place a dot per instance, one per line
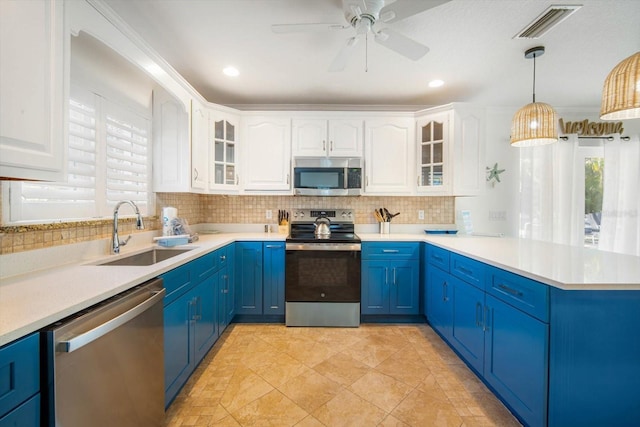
(168, 214)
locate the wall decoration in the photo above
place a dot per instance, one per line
(493, 174)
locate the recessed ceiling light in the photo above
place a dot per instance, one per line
(231, 71)
(436, 83)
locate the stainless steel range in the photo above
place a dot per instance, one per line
(322, 277)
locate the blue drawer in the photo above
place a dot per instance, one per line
(25, 415)
(469, 270)
(206, 265)
(390, 250)
(178, 281)
(19, 372)
(438, 257)
(525, 294)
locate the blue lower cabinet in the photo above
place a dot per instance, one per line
(205, 315)
(179, 349)
(390, 278)
(20, 382)
(467, 335)
(25, 415)
(404, 291)
(374, 290)
(273, 278)
(515, 359)
(248, 277)
(439, 304)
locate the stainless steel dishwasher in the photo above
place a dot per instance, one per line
(105, 365)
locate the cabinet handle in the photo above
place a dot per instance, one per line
(465, 271)
(324, 145)
(273, 246)
(198, 308)
(390, 251)
(331, 146)
(366, 180)
(394, 275)
(386, 276)
(479, 314)
(445, 287)
(509, 290)
(237, 179)
(223, 257)
(418, 180)
(486, 320)
(195, 170)
(287, 178)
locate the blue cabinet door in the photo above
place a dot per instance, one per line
(374, 287)
(404, 291)
(515, 362)
(468, 313)
(178, 344)
(439, 305)
(206, 315)
(248, 278)
(273, 278)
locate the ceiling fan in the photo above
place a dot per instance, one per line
(365, 16)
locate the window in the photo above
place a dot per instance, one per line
(108, 161)
(593, 192)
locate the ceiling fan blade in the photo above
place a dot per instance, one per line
(401, 44)
(401, 9)
(306, 28)
(340, 62)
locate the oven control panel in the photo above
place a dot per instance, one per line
(335, 215)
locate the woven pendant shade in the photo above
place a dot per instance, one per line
(621, 92)
(534, 124)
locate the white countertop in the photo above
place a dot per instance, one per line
(31, 301)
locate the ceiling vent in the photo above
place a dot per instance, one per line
(548, 19)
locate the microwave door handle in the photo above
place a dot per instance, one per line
(345, 184)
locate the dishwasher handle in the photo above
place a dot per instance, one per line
(85, 338)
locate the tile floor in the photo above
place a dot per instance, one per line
(375, 375)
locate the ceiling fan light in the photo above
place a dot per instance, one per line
(231, 71)
(621, 91)
(534, 124)
(436, 83)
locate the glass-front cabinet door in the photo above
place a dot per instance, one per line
(223, 170)
(433, 145)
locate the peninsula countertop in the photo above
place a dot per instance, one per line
(32, 301)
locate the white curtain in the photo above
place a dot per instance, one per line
(551, 193)
(620, 225)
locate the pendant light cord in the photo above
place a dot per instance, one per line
(534, 78)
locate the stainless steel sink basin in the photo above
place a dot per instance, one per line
(149, 257)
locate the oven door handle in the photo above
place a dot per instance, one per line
(347, 247)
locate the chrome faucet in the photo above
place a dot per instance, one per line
(115, 240)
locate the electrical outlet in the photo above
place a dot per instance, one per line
(421, 214)
(269, 214)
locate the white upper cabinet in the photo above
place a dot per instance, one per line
(266, 154)
(171, 156)
(433, 164)
(327, 137)
(450, 150)
(34, 76)
(200, 130)
(389, 147)
(223, 151)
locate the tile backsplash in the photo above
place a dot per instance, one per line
(197, 208)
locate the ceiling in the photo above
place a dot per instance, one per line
(471, 48)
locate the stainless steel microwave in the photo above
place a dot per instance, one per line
(327, 177)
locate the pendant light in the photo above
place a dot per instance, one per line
(621, 91)
(535, 123)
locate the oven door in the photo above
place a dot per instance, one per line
(322, 272)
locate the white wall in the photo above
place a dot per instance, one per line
(497, 210)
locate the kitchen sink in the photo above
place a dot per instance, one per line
(149, 257)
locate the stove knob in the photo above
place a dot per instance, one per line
(301, 214)
(344, 214)
(322, 294)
